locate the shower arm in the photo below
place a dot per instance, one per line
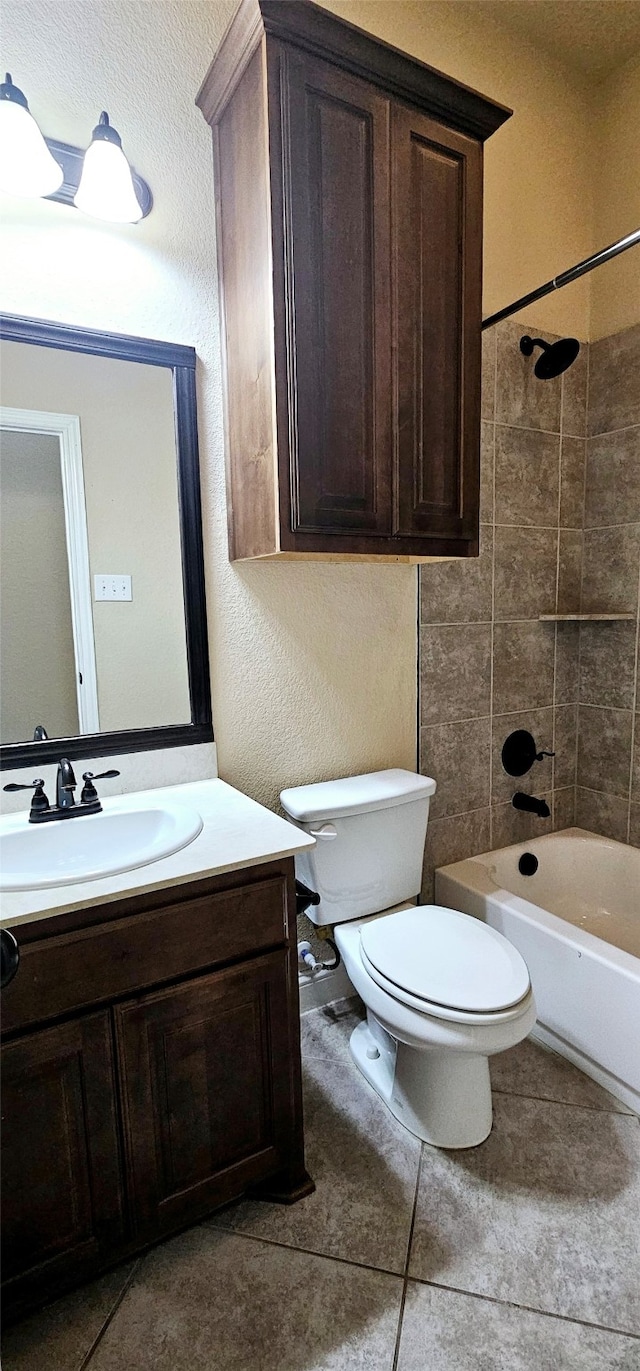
(566, 277)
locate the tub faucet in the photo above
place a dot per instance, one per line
(531, 804)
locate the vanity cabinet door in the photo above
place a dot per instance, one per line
(206, 1095)
(62, 1204)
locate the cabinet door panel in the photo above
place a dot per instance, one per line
(61, 1187)
(437, 203)
(335, 131)
(206, 1103)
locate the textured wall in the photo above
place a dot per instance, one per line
(608, 775)
(313, 667)
(615, 289)
(487, 664)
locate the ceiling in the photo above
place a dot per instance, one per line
(594, 36)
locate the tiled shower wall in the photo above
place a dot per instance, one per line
(560, 531)
(608, 775)
(487, 663)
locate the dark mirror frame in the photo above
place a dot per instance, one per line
(182, 361)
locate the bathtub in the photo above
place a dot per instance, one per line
(576, 921)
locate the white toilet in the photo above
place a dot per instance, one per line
(443, 991)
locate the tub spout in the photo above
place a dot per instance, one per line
(532, 804)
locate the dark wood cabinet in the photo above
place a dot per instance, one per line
(150, 1073)
(62, 1193)
(205, 1099)
(349, 220)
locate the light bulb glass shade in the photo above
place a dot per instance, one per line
(26, 165)
(106, 187)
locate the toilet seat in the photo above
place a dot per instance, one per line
(445, 964)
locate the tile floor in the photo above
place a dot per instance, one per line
(520, 1255)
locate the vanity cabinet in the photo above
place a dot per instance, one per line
(349, 225)
(150, 1071)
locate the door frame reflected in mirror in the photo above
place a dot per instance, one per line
(181, 360)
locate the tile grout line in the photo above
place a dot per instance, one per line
(582, 561)
(527, 1308)
(634, 713)
(493, 594)
(217, 1227)
(570, 1104)
(111, 1315)
(405, 1277)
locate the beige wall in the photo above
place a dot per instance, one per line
(129, 463)
(615, 288)
(313, 667)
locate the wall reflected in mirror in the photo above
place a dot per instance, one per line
(88, 490)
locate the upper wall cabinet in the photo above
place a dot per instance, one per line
(349, 225)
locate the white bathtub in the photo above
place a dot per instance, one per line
(576, 922)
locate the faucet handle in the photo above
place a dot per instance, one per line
(89, 791)
(39, 802)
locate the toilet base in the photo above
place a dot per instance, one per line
(443, 1097)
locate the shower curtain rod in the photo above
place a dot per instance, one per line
(565, 277)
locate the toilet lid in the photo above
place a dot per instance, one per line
(444, 957)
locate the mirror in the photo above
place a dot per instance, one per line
(103, 638)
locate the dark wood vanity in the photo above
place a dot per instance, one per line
(150, 1073)
(349, 223)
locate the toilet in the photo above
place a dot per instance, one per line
(442, 990)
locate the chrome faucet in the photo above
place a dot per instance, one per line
(65, 784)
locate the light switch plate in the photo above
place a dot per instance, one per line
(110, 586)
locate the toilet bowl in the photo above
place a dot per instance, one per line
(442, 990)
(429, 1061)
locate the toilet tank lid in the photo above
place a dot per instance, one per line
(355, 795)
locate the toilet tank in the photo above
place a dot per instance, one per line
(370, 833)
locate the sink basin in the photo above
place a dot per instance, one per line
(91, 846)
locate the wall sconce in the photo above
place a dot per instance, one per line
(99, 181)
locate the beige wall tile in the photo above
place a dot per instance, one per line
(564, 808)
(488, 373)
(607, 664)
(635, 783)
(565, 745)
(455, 672)
(604, 750)
(613, 477)
(567, 648)
(572, 469)
(527, 477)
(459, 591)
(600, 813)
(457, 756)
(521, 399)
(614, 393)
(452, 839)
(574, 394)
(569, 570)
(523, 657)
(487, 448)
(525, 572)
(634, 825)
(610, 568)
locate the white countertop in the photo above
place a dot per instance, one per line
(236, 832)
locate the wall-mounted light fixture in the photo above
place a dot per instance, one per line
(99, 181)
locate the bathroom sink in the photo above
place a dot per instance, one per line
(89, 847)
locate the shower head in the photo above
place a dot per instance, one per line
(554, 358)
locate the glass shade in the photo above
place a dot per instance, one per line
(26, 165)
(106, 188)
